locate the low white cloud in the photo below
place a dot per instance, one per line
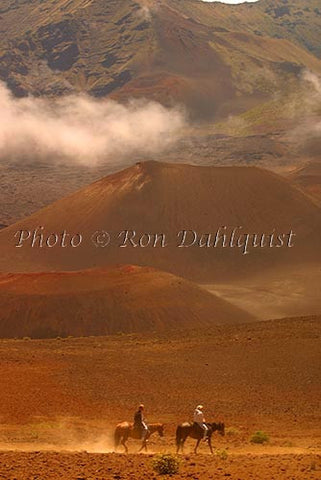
(308, 132)
(82, 129)
(147, 8)
(314, 81)
(145, 13)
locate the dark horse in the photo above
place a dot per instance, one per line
(189, 429)
(126, 430)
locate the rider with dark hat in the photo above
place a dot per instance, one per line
(139, 421)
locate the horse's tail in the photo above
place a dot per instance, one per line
(117, 436)
(178, 436)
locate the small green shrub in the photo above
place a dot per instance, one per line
(166, 464)
(222, 454)
(259, 437)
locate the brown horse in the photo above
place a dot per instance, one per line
(126, 430)
(189, 429)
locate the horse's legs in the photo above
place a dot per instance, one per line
(143, 446)
(178, 447)
(210, 444)
(183, 444)
(144, 442)
(117, 439)
(148, 434)
(197, 444)
(123, 442)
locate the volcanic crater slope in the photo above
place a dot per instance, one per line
(214, 58)
(154, 197)
(122, 299)
(308, 178)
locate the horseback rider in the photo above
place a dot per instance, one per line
(199, 419)
(139, 422)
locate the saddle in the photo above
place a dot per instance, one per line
(196, 425)
(199, 429)
(138, 430)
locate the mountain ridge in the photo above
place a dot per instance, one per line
(214, 58)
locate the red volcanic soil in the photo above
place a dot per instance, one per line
(68, 394)
(262, 375)
(165, 198)
(99, 302)
(89, 466)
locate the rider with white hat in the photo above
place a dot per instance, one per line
(199, 419)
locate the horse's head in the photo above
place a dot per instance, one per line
(160, 429)
(220, 427)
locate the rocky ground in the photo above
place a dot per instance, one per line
(88, 466)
